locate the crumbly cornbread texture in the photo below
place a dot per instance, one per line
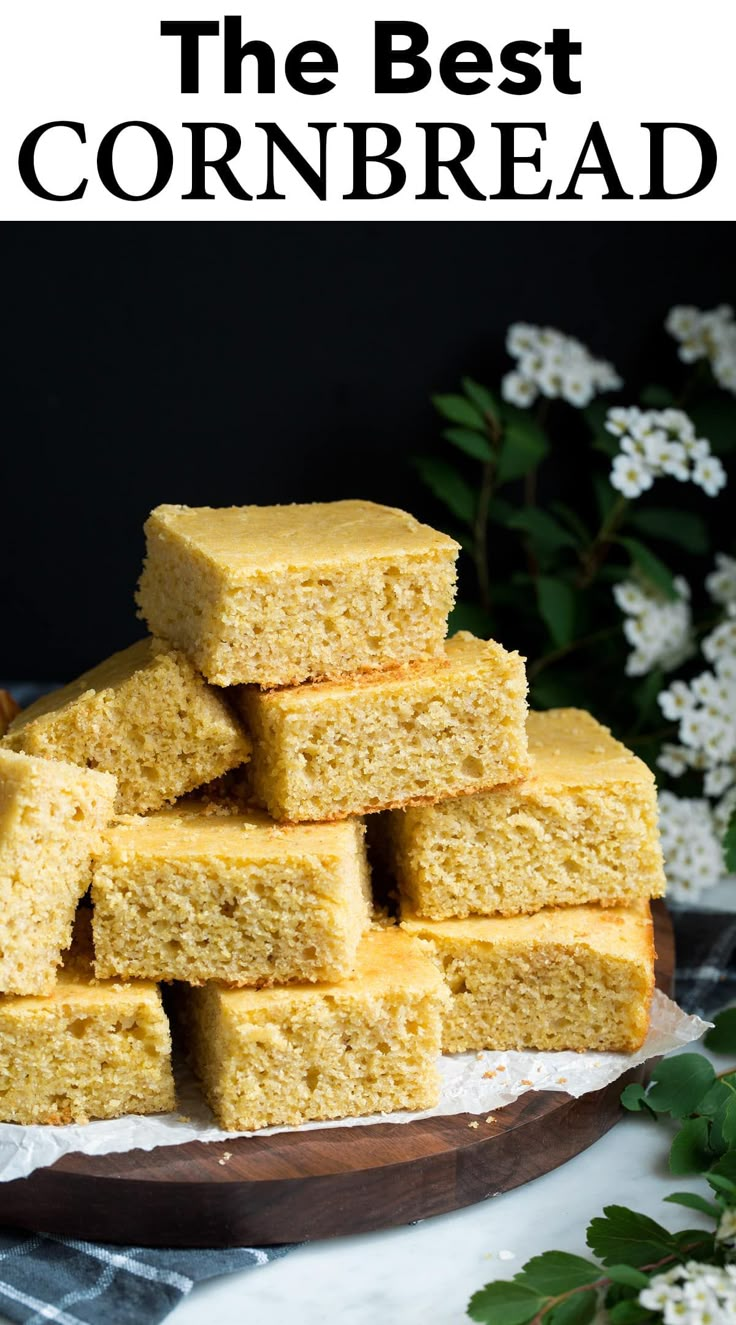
(577, 978)
(276, 595)
(444, 728)
(581, 827)
(213, 895)
(145, 715)
(51, 819)
(86, 1050)
(365, 1045)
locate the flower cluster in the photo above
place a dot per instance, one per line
(705, 708)
(662, 442)
(691, 845)
(692, 1294)
(707, 335)
(552, 364)
(658, 628)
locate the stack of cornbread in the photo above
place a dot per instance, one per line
(213, 784)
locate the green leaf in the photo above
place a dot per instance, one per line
(469, 616)
(729, 844)
(572, 520)
(725, 1167)
(690, 1152)
(471, 443)
(722, 1038)
(634, 1098)
(695, 1202)
(556, 602)
(628, 1313)
(650, 566)
(621, 1235)
(483, 400)
(605, 495)
(723, 1126)
(679, 1084)
(684, 528)
(557, 1272)
(595, 415)
(457, 409)
(524, 445)
(715, 419)
(626, 1274)
(499, 510)
(715, 1100)
(577, 1310)
(503, 1303)
(721, 1184)
(656, 397)
(544, 531)
(607, 444)
(448, 486)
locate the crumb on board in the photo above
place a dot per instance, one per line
(474, 1124)
(525, 1081)
(491, 1118)
(225, 1157)
(561, 1081)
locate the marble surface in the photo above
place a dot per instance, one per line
(425, 1274)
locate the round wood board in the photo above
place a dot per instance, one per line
(297, 1187)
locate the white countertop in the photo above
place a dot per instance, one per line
(425, 1274)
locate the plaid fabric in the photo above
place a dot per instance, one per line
(43, 1278)
(705, 944)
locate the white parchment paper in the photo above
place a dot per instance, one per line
(471, 1083)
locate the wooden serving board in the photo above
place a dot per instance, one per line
(296, 1187)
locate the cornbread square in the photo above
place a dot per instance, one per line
(275, 595)
(581, 827)
(212, 895)
(145, 715)
(443, 728)
(577, 978)
(283, 1056)
(51, 820)
(85, 1050)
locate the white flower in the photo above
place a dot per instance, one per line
(518, 390)
(707, 335)
(709, 474)
(721, 583)
(658, 628)
(676, 701)
(691, 844)
(630, 475)
(556, 365)
(673, 759)
(655, 443)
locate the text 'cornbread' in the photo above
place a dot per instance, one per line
(145, 715)
(577, 978)
(201, 895)
(581, 827)
(438, 729)
(284, 1056)
(85, 1050)
(276, 595)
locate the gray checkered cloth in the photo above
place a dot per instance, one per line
(45, 1278)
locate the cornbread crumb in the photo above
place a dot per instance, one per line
(474, 1124)
(181, 895)
(51, 819)
(368, 1044)
(581, 827)
(86, 1050)
(576, 978)
(145, 715)
(436, 729)
(276, 595)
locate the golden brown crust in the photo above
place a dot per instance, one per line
(415, 800)
(365, 676)
(8, 710)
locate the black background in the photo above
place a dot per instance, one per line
(221, 364)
